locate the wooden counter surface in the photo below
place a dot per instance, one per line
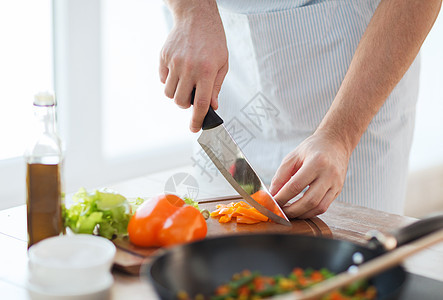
(344, 221)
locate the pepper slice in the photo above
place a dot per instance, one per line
(241, 211)
(246, 220)
(251, 213)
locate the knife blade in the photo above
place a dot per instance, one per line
(227, 156)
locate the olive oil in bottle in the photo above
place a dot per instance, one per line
(43, 183)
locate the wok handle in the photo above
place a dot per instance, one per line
(418, 229)
(212, 119)
(405, 235)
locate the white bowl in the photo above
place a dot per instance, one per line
(70, 265)
(101, 291)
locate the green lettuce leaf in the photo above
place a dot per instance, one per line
(191, 202)
(103, 212)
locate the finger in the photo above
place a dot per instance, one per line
(183, 93)
(202, 100)
(163, 72)
(310, 199)
(321, 207)
(289, 166)
(296, 184)
(171, 85)
(218, 84)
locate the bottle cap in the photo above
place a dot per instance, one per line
(44, 99)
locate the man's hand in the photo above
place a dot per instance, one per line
(195, 55)
(319, 162)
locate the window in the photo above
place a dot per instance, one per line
(26, 68)
(114, 119)
(136, 114)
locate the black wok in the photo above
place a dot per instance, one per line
(202, 266)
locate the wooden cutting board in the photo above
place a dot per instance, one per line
(130, 258)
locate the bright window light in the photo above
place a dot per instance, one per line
(137, 116)
(26, 67)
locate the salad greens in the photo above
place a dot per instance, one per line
(194, 204)
(102, 212)
(135, 203)
(191, 202)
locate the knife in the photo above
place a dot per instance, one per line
(233, 165)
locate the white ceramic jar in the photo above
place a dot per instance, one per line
(71, 267)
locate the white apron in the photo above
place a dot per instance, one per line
(287, 61)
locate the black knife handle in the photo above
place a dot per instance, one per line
(211, 119)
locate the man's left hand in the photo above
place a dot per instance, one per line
(319, 162)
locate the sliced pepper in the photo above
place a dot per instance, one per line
(225, 218)
(252, 213)
(246, 220)
(241, 211)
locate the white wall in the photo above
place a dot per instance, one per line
(427, 147)
(425, 183)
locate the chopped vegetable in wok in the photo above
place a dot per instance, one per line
(249, 285)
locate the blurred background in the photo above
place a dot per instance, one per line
(101, 57)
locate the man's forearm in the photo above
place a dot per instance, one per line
(183, 8)
(387, 49)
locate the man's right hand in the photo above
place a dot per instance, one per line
(195, 55)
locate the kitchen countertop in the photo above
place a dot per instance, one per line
(345, 221)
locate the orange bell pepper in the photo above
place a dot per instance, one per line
(265, 199)
(164, 221)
